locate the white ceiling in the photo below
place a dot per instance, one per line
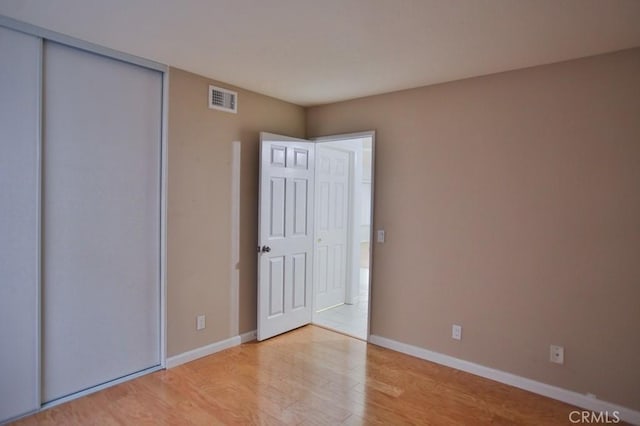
(318, 51)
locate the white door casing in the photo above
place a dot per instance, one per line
(332, 226)
(285, 230)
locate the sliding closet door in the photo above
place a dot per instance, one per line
(19, 212)
(101, 269)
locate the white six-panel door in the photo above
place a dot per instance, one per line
(285, 247)
(332, 226)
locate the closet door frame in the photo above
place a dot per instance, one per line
(48, 35)
(29, 133)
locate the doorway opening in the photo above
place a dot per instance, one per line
(343, 230)
(314, 229)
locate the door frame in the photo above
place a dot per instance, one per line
(343, 137)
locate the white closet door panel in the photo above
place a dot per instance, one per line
(101, 284)
(19, 263)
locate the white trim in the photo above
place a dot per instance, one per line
(234, 293)
(164, 156)
(249, 336)
(203, 351)
(373, 226)
(554, 392)
(26, 28)
(212, 348)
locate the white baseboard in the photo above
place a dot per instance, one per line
(554, 392)
(194, 354)
(248, 336)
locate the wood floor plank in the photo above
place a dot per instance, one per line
(308, 376)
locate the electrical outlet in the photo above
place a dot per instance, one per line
(556, 354)
(456, 332)
(200, 322)
(381, 235)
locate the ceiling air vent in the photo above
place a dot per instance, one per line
(223, 99)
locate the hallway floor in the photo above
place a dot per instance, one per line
(349, 319)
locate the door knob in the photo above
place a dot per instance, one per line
(266, 249)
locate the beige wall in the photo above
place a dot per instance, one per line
(512, 206)
(199, 212)
(510, 203)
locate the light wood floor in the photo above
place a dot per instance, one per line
(308, 376)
